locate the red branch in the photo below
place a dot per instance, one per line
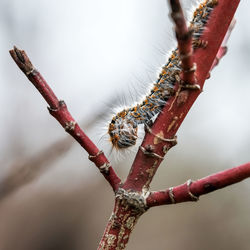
(58, 109)
(184, 39)
(190, 191)
(133, 197)
(176, 109)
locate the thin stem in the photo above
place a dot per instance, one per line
(59, 111)
(190, 191)
(184, 39)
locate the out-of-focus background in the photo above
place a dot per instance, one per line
(94, 54)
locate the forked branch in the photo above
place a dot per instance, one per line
(133, 197)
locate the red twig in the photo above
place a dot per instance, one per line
(59, 110)
(190, 191)
(174, 112)
(184, 39)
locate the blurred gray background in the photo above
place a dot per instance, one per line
(94, 54)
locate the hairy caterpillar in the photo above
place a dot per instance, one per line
(123, 127)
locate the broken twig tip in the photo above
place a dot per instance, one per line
(22, 60)
(17, 54)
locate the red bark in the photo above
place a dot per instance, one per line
(127, 210)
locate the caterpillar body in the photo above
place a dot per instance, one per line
(123, 127)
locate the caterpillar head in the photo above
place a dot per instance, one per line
(122, 131)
